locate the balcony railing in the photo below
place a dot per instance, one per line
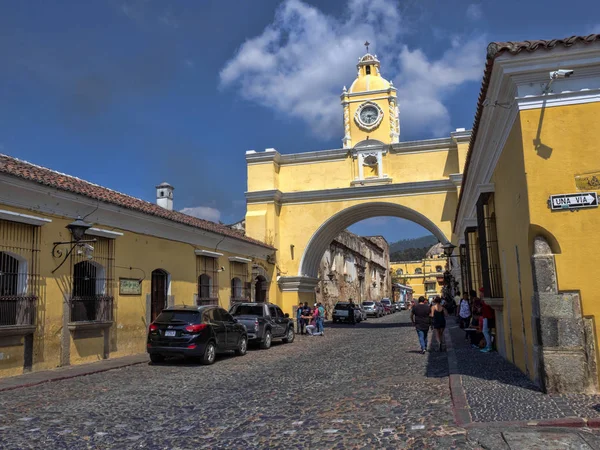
(17, 310)
(97, 308)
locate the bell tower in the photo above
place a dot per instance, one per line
(370, 105)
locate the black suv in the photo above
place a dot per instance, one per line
(196, 331)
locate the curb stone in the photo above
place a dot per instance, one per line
(66, 373)
(461, 409)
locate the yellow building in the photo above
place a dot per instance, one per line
(425, 277)
(535, 136)
(63, 303)
(300, 202)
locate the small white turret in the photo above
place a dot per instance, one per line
(164, 196)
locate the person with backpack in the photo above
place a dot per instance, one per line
(420, 317)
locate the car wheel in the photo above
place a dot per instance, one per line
(210, 353)
(156, 358)
(289, 337)
(243, 347)
(266, 342)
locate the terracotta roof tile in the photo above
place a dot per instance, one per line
(496, 49)
(51, 178)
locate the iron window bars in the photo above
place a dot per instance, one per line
(93, 283)
(208, 280)
(19, 273)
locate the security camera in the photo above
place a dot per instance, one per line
(561, 73)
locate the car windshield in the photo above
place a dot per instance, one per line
(341, 306)
(178, 316)
(368, 303)
(247, 310)
(385, 301)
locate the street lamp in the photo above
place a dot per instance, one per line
(448, 250)
(77, 228)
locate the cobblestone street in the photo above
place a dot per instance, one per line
(362, 386)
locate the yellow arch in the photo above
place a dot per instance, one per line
(321, 239)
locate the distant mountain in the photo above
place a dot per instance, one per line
(420, 242)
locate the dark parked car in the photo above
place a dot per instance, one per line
(196, 331)
(264, 322)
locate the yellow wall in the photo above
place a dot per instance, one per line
(570, 136)
(128, 332)
(524, 179)
(512, 218)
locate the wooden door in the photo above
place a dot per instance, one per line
(159, 293)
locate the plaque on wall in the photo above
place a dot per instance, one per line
(130, 286)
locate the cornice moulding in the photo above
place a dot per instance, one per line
(12, 216)
(297, 284)
(207, 253)
(394, 189)
(103, 233)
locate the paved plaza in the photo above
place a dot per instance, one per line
(361, 386)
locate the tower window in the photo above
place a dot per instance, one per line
(162, 193)
(368, 70)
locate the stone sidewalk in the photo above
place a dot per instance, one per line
(64, 373)
(487, 388)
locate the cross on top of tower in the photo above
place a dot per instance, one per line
(367, 43)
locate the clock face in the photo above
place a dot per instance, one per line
(368, 115)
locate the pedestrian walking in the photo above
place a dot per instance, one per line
(351, 317)
(299, 319)
(457, 299)
(438, 315)
(420, 317)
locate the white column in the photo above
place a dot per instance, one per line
(360, 166)
(379, 165)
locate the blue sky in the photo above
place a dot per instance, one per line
(131, 93)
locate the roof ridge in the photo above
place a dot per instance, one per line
(70, 176)
(69, 183)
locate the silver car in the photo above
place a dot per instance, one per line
(372, 309)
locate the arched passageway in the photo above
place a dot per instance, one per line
(320, 240)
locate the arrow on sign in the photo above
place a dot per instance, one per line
(571, 201)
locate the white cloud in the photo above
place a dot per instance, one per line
(203, 212)
(474, 11)
(298, 65)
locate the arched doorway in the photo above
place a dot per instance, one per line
(261, 289)
(159, 292)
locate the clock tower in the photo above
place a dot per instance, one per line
(370, 106)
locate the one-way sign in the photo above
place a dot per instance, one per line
(574, 201)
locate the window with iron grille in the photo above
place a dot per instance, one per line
(473, 261)
(464, 268)
(93, 283)
(240, 289)
(19, 273)
(488, 246)
(208, 282)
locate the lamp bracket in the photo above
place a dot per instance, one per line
(58, 253)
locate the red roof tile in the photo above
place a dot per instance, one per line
(494, 50)
(48, 177)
